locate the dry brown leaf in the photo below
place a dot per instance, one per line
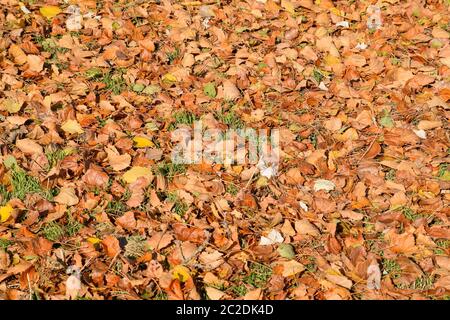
(304, 227)
(35, 63)
(111, 245)
(67, 196)
(95, 177)
(29, 146)
(116, 161)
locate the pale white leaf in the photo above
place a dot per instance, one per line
(322, 184)
(273, 237)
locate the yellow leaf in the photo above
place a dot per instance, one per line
(5, 212)
(335, 11)
(181, 273)
(142, 142)
(331, 60)
(136, 172)
(19, 56)
(72, 127)
(288, 6)
(169, 78)
(93, 240)
(349, 135)
(50, 11)
(177, 217)
(12, 106)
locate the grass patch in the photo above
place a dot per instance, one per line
(5, 195)
(318, 75)
(53, 231)
(410, 214)
(116, 208)
(444, 172)
(230, 118)
(170, 170)
(173, 55)
(259, 275)
(443, 245)
(113, 80)
(104, 228)
(72, 226)
(390, 175)
(313, 138)
(49, 45)
(391, 268)
(179, 207)
(56, 156)
(311, 266)
(161, 295)
(136, 247)
(4, 243)
(182, 117)
(423, 283)
(94, 73)
(232, 189)
(240, 290)
(23, 184)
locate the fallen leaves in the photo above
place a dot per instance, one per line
(373, 277)
(355, 206)
(5, 212)
(35, 63)
(29, 146)
(95, 177)
(127, 221)
(142, 142)
(322, 184)
(401, 243)
(273, 237)
(291, 268)
(304, 227)
(11, 105)
(111, 245)
(193, 234)
(50, 11)
(136, 172)
(117, 161)
(428, 125)
(286, 251)
(230, 91)
(181, 273)
(72, 127)
(67, 196)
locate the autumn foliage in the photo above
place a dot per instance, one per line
(93, 207)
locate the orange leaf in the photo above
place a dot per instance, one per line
(111, 245)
